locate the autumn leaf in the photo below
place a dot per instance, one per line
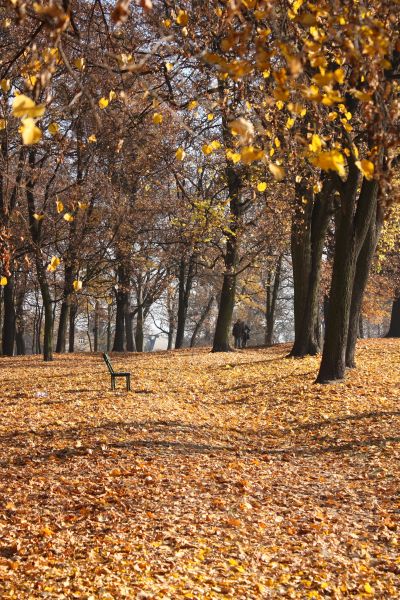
(25, 107)
(79, 63)
(243, 128)
(180, 154)
(31, 134)
(277, 171)
(261, 186)
(53, 128)
(366, 167)
(182, 18)
(5, 85)
(77, 285)
(55, 261)
(103, 103)
(157, 118)
(59, 206)
(92, 138)
(3, 280)
(68, 217)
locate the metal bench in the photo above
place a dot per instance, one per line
(115, 374)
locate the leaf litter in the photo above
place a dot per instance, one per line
(217, 476)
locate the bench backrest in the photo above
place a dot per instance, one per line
(108, 363)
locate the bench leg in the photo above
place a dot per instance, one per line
(112, 382)
(128, 383)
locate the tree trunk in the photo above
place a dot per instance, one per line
(203, 317)
(130, 340)
(363, 267)
(356, 212)
(122, 303)
(96, 327)
(139, 337)
(394, 327)
(185, 287)
(109, 309)
(64, 311)
(73, 310)
(272, 295)
(19, 320)
(8, 334)
(307, 242)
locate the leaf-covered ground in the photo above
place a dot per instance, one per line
(217, 476)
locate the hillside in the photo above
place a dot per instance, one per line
(217, 476)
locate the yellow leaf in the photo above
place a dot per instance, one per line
(316, 143)
(167, 23)
(103, 103)
(2, 124)
(368, 588)
(366, 167)
(77, 285)
(92, 138)
(332, 160)
(182, 19)
(30, 133)
(47, 532)
(82, 205)
(289, 123)
(192, 105)
(157, 118)
(262, 186)
(53, 128)
(60, 206)
(112, 95)
(169, 66)
(5, 85)
(210, 116)
(180, 154)
(339, 75)
(207, 149)
(3, 280)
(25, 107)
(277, 142)
(233, 156)
(68, 217)
(277, 171)
(79, 63)
(38, 216)
(55, 261)
(250, 154)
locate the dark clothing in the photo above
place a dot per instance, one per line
(245, 335)
(238, 332)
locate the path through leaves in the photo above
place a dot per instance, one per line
(218, 476)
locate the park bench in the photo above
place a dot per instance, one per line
(115, 374)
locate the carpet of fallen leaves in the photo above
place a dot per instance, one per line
(218, 476)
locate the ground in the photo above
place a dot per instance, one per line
(218, 476)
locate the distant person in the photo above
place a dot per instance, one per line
(237, 332)
(245, 335)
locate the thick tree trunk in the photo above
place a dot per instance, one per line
(272, 295)
(363, 267)
(109, 310)
(64, 311)
(122, 306)
(96, 327)
(353, 221)
(139, 337)
(186, 274)
(394, 327)
(307, 242)
(8, 334)
(19, 320)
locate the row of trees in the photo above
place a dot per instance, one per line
(168, 145)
